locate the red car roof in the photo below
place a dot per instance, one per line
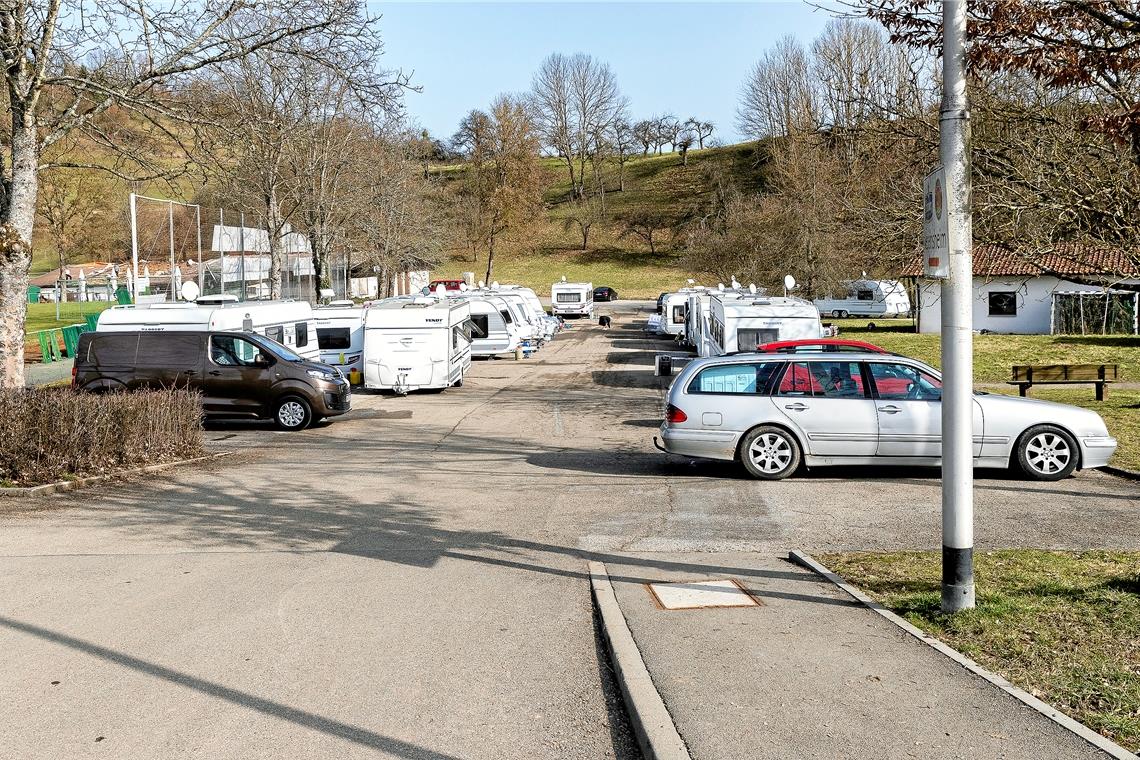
(821, 344)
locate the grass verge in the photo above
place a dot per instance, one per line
(1064, 626)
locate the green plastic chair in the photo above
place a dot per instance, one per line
(45, 347)
(71, 340)
(92, 322)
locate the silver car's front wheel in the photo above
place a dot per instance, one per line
(770, 453)
(1046, 452)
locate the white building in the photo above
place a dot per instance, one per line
(1015, 292)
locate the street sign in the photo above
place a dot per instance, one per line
(935, 226)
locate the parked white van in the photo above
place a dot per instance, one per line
(868, 298)
(572, 299)
(290, 323)
(340, 337)
(416, 343)
(738, 323)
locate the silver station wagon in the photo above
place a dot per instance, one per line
(773, 412)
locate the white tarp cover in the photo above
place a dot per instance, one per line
(229, 239)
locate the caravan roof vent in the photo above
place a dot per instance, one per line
(216, 299)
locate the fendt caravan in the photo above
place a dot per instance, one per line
(416, 344)
(868, 298)
(738, 323)
(340, 338)
(675, 310)
(290, 323)
(572, 299)
(490, 333)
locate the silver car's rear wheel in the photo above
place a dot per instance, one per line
(1046, 452)
(769, 453)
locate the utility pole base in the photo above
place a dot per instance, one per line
(957, 579)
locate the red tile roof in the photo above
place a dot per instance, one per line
(1061, 259)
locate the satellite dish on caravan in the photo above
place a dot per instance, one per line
(789, 283)
(440, 290)
(463, 287)
(495, 284)
(189, 291)
(752, 288)
(480, 284)
(563, 278)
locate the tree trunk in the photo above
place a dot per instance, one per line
(17, 219)
(274, 222)
(652, 245)
(490, 261)
(585, 236)
(621, 177)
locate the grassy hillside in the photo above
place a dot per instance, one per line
(660, 184)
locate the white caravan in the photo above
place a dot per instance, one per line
(546, 323)
(340, 337)
(572, 299)
(698, 325)
(290, 323)
(868, 298)
(741, 323)
(675, 310)
(416, 343)
(491, 334)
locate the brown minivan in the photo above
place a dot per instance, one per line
(239, 374)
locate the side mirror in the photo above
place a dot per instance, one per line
(261, 360)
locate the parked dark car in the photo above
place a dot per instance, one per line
(239, 374)
(605, 293)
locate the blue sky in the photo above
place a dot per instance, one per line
(689, 59)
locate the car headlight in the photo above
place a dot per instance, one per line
(321, 374)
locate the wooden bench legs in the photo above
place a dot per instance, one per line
(1101, 388)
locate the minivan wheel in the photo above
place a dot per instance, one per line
(1046, 452)
(769, 453)
(292, 413)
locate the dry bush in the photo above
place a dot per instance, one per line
(49, 434)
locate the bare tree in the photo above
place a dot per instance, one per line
(623, 142)
(583, 215)
(779, 98)
(646, 225)
(668, 129)
(645, 132)
(71, 66)
(701, 130)
(577, 98)
(683, 142)
(74, 213)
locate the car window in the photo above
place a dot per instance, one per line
(734, 378)
(113, 349)
(170, 350)
(231, 351)
(798, 381)
(823, 380)
(901, 382)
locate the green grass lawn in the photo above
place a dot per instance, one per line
(41, 316)
(1064, 626)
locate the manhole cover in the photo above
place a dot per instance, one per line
(692, 595)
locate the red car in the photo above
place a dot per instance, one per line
(819, 344)
(451, 285)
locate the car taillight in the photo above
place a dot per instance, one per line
(74, 373)
(673, 415)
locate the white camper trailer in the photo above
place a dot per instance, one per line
(698, 325)
(340, 337)
(741, 323)
(868, 298)
(490, 333)
(290, 323)
(572, 299)
(547, 323)
(675, 310)
(417, 343)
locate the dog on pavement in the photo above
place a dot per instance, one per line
(604, 322)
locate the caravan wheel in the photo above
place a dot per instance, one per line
(292, 413)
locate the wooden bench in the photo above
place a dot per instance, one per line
(1025, 376)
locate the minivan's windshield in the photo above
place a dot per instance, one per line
(275, 348)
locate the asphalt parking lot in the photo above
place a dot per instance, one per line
(410, 581)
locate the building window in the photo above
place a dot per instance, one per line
(1003, 303)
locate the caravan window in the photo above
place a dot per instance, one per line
(276, 333)
(567, 298)
(480, 322)
(866, 295)
(678, 314)
(302, 330)
(331, 339)
(506, 316)
(748, 340)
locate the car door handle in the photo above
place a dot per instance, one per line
(796, 407)
(215, 372)
(889, 409)
(189, 372)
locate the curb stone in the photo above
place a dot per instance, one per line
(70, 485)
(1102, 743)
(652, 724)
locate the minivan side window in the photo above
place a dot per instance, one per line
(301, 334)
(734, 378)
(113, 349)
(276, 333)
(231, 351)
(170, 350)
